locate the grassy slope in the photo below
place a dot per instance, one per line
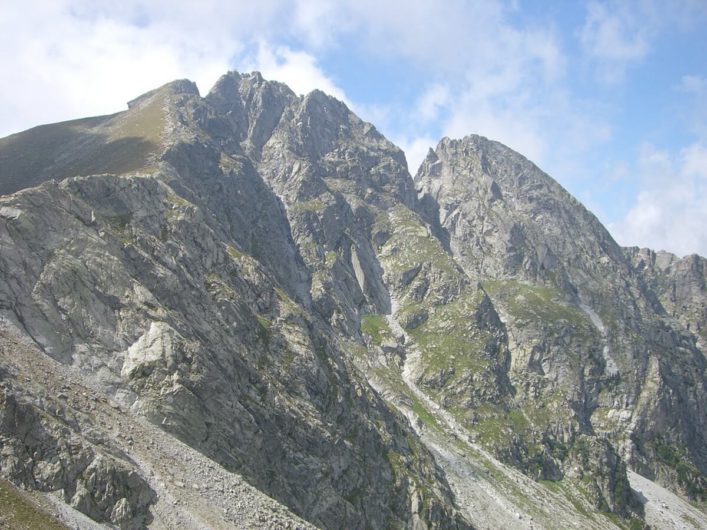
(19, 512)
(118, 143)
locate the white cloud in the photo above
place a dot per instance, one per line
(615, 38)
(694, 84)
(416, 150)
(78, 57)
(619, 34)
(297, 69)
(670, 213)
(64, 59)
(434, 99)
(451, 37)
(320, 23)
(500, 120)
(695, 87)
(540, 120)
(483, 67)
(72, 58)
(480, 73)
(694, 165)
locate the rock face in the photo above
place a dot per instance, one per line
(41, 453)
(256, 273)
(679, 285)
(592, 352)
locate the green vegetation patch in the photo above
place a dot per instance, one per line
(246, 265)
(493, 425)
(264, 331)
(218, 288)
(121, 221)
(689, 477)
(330, 258)
(425, 415)
(410, 244)
(264, 322)
(392, 380)
(176, 200)
(551, 409)
(234, 252)
(552, 485)
(450, 339)
(146, 121)
(312, 205)
(376, 327)
(535, 303)
(19, 513)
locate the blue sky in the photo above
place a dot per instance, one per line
(609, 98)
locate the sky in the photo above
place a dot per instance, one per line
(607, 97)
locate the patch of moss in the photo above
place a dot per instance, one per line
(217, 287)
(411, 244)
(425, 415)
(396, 463)
(376, 327)
(19, 513)
(312, 205)
(517, 420)
(330, 259)
(263, 328)
(550, 410)
(120, 221)
(615, 519)
(449, 340)
(233, 163)
(552, 485)
(557, 448)
(535, 303)
(689, 477)
(119, 224)
(264, 322)
(176, 200)
(282, 296)
(393, 381)
(577, 502)
(490, 424)
(234, 252)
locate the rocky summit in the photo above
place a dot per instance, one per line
(242, 311)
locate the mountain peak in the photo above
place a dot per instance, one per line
(179, 86)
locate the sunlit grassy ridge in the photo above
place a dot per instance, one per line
(19, 513)
(119, 143)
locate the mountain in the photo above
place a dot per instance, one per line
(240, 310)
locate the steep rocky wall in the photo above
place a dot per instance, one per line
(592, 352)
(46, 451)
